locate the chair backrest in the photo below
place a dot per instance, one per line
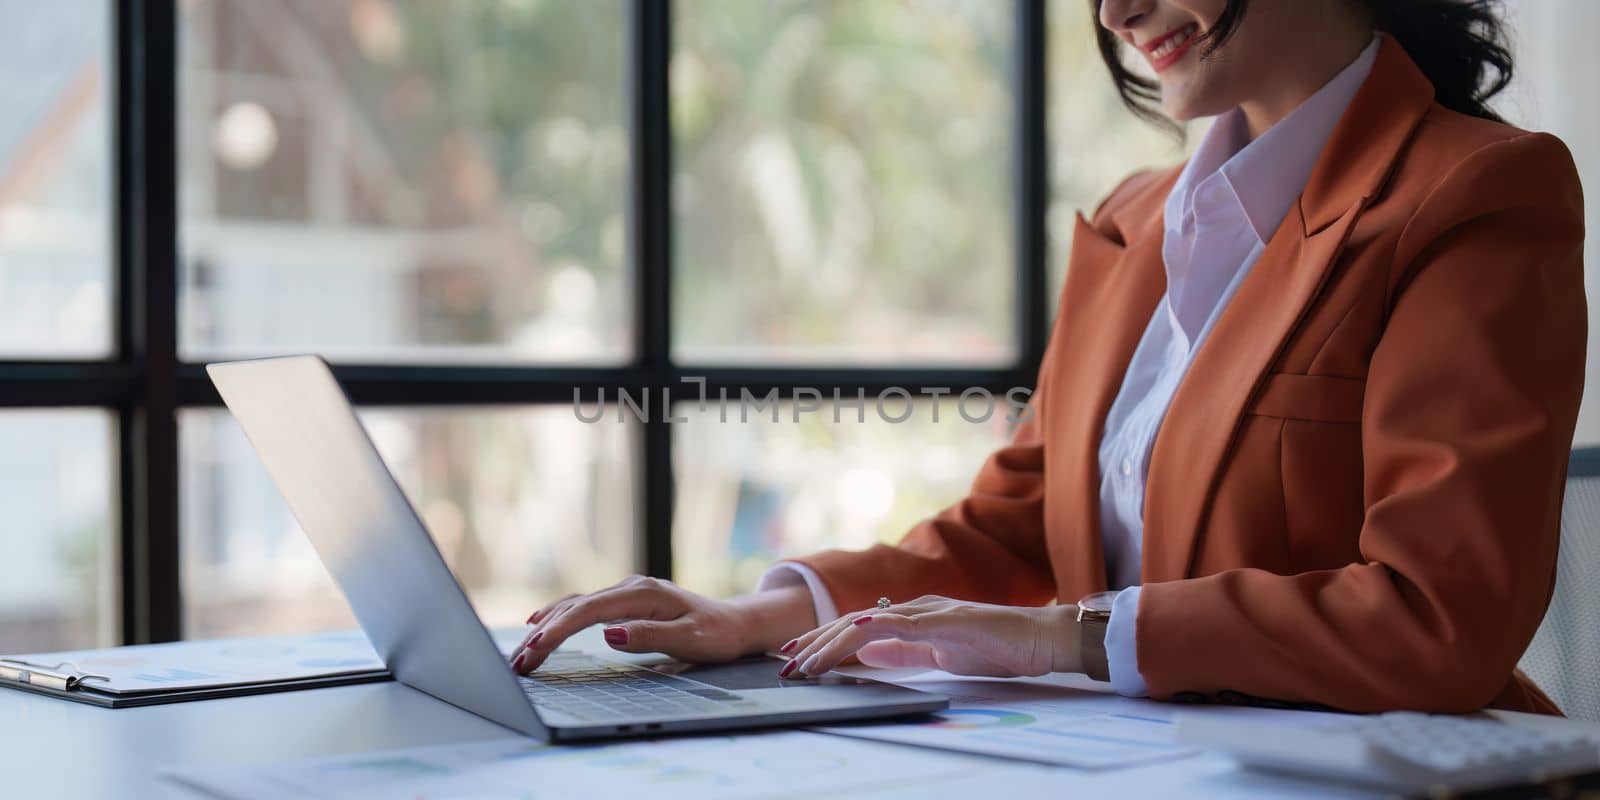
(1564, 657)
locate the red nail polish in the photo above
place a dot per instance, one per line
(787, 668)
(536, 638)
(790, 646)
(862, 620)
(530, 618)
(516, 663)
(616, 636)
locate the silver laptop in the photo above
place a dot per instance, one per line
(420, 621)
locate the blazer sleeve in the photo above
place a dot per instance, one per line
(1471, 399)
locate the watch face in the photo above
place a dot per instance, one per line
(1099, 601)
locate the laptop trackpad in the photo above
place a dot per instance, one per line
(748, 673)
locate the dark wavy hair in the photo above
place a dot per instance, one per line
(1461, 45)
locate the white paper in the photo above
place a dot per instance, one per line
(807, 764)
(781, 764)
(1032, 722)
(217, 662)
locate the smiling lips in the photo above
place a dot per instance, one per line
(1171, 46)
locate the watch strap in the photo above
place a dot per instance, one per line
(1092, 648)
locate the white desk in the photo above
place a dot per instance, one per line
(55, 749)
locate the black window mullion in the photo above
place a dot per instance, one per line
(650, 55)
(439, 385)
(46, 384)
(145, 239)
(1031, 184)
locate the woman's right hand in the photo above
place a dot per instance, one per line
(646, 615)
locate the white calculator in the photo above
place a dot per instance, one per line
(1406, 751)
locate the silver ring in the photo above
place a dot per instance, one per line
(883, 603)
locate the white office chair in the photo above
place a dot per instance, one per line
(1564, 657)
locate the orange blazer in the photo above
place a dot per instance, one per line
(1354, 499)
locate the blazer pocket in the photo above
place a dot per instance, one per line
(1310, 398)
(1319, 465)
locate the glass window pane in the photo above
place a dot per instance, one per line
(842, 187)
(383, 181)
(1095, 141)
(58, 577)
(1553, 90)
(526, 504)
(55, 179)
(755, 491)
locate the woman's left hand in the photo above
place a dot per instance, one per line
(940, 633)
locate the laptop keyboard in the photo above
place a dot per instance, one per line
(598, 691)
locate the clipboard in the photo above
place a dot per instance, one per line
(144, 675)
(60, 682)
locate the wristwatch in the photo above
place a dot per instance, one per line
(1094, 615)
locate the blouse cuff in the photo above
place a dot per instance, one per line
(1122, 656)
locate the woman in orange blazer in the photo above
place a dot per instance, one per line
(1344, 464)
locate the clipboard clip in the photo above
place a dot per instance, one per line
(61, 676)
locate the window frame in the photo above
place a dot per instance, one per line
(145, 382)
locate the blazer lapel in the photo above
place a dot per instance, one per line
(1196, 437)
(1110, 293)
